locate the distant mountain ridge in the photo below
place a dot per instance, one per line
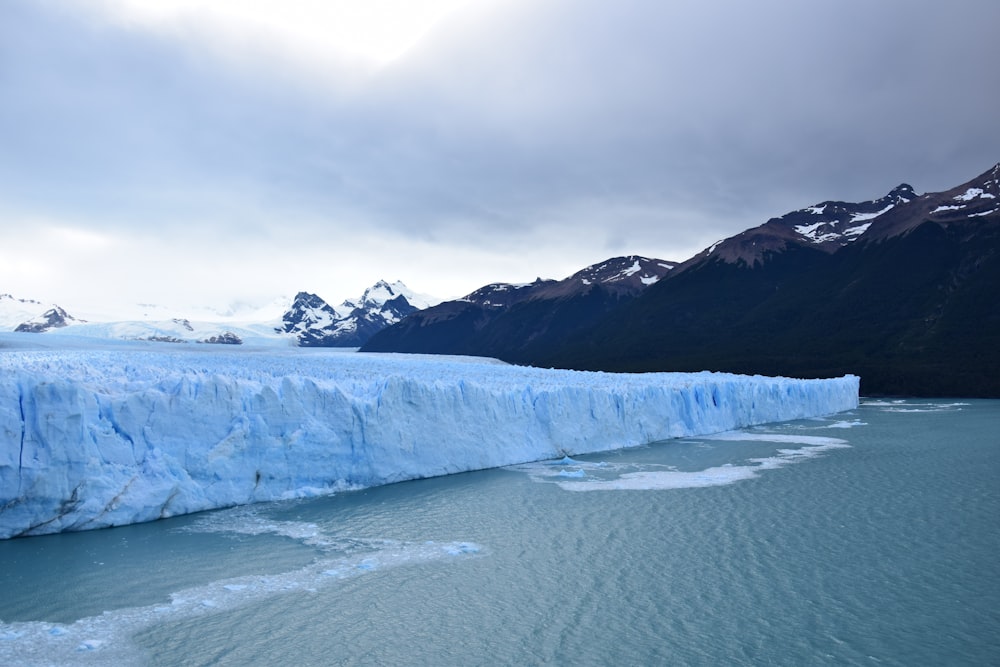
(308, 321)
(511, 321)
(900, 290)
(827, 226)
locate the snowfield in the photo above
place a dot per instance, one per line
(104, 434)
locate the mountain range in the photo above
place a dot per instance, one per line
(306, 321)
(516, 322)
(900, 290)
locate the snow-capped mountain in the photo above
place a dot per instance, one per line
(148, 322)
(383, 295)
(832, 225)
(826, 226)
(634, 271)
(629, 273)
(53, 318)
(28, 315)
(971, 205)
(315, 323)
(306, 320)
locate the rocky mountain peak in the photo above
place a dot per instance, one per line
(316, 323)
(903, 192)
(53, 318)
(827, 226)
(972, 204)
(635, 270)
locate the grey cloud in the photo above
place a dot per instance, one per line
(728, 108)
(586, 115)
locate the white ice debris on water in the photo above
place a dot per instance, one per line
(112, 435)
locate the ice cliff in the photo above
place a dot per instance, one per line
(91, 438)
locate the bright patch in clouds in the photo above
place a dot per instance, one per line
(378, 31)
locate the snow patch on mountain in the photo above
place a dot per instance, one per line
(974, 193)
(811, 232)
(853, 232)
(860, 217)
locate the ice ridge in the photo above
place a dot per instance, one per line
(102, 437)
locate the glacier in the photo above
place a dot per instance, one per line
(104, 435)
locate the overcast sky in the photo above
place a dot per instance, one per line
(164, 152)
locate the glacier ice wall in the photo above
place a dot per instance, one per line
(91, 438)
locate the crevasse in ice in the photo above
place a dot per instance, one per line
(91, 438)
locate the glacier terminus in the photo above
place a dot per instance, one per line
(104, 435)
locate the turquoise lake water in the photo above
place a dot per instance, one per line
(866, 538)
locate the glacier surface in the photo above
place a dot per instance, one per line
(108, 435)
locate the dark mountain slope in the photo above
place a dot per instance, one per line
(901, 290)
(518, 322)
(827, 226)
(911, 307)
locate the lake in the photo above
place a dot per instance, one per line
(867, 538)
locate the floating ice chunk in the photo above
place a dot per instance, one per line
(572, 473)
(650, 476)
(658, 480)
(461, 548)
(903, 406)
(846, 424)
(90, 645)
(564, 461)
(795, 438)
